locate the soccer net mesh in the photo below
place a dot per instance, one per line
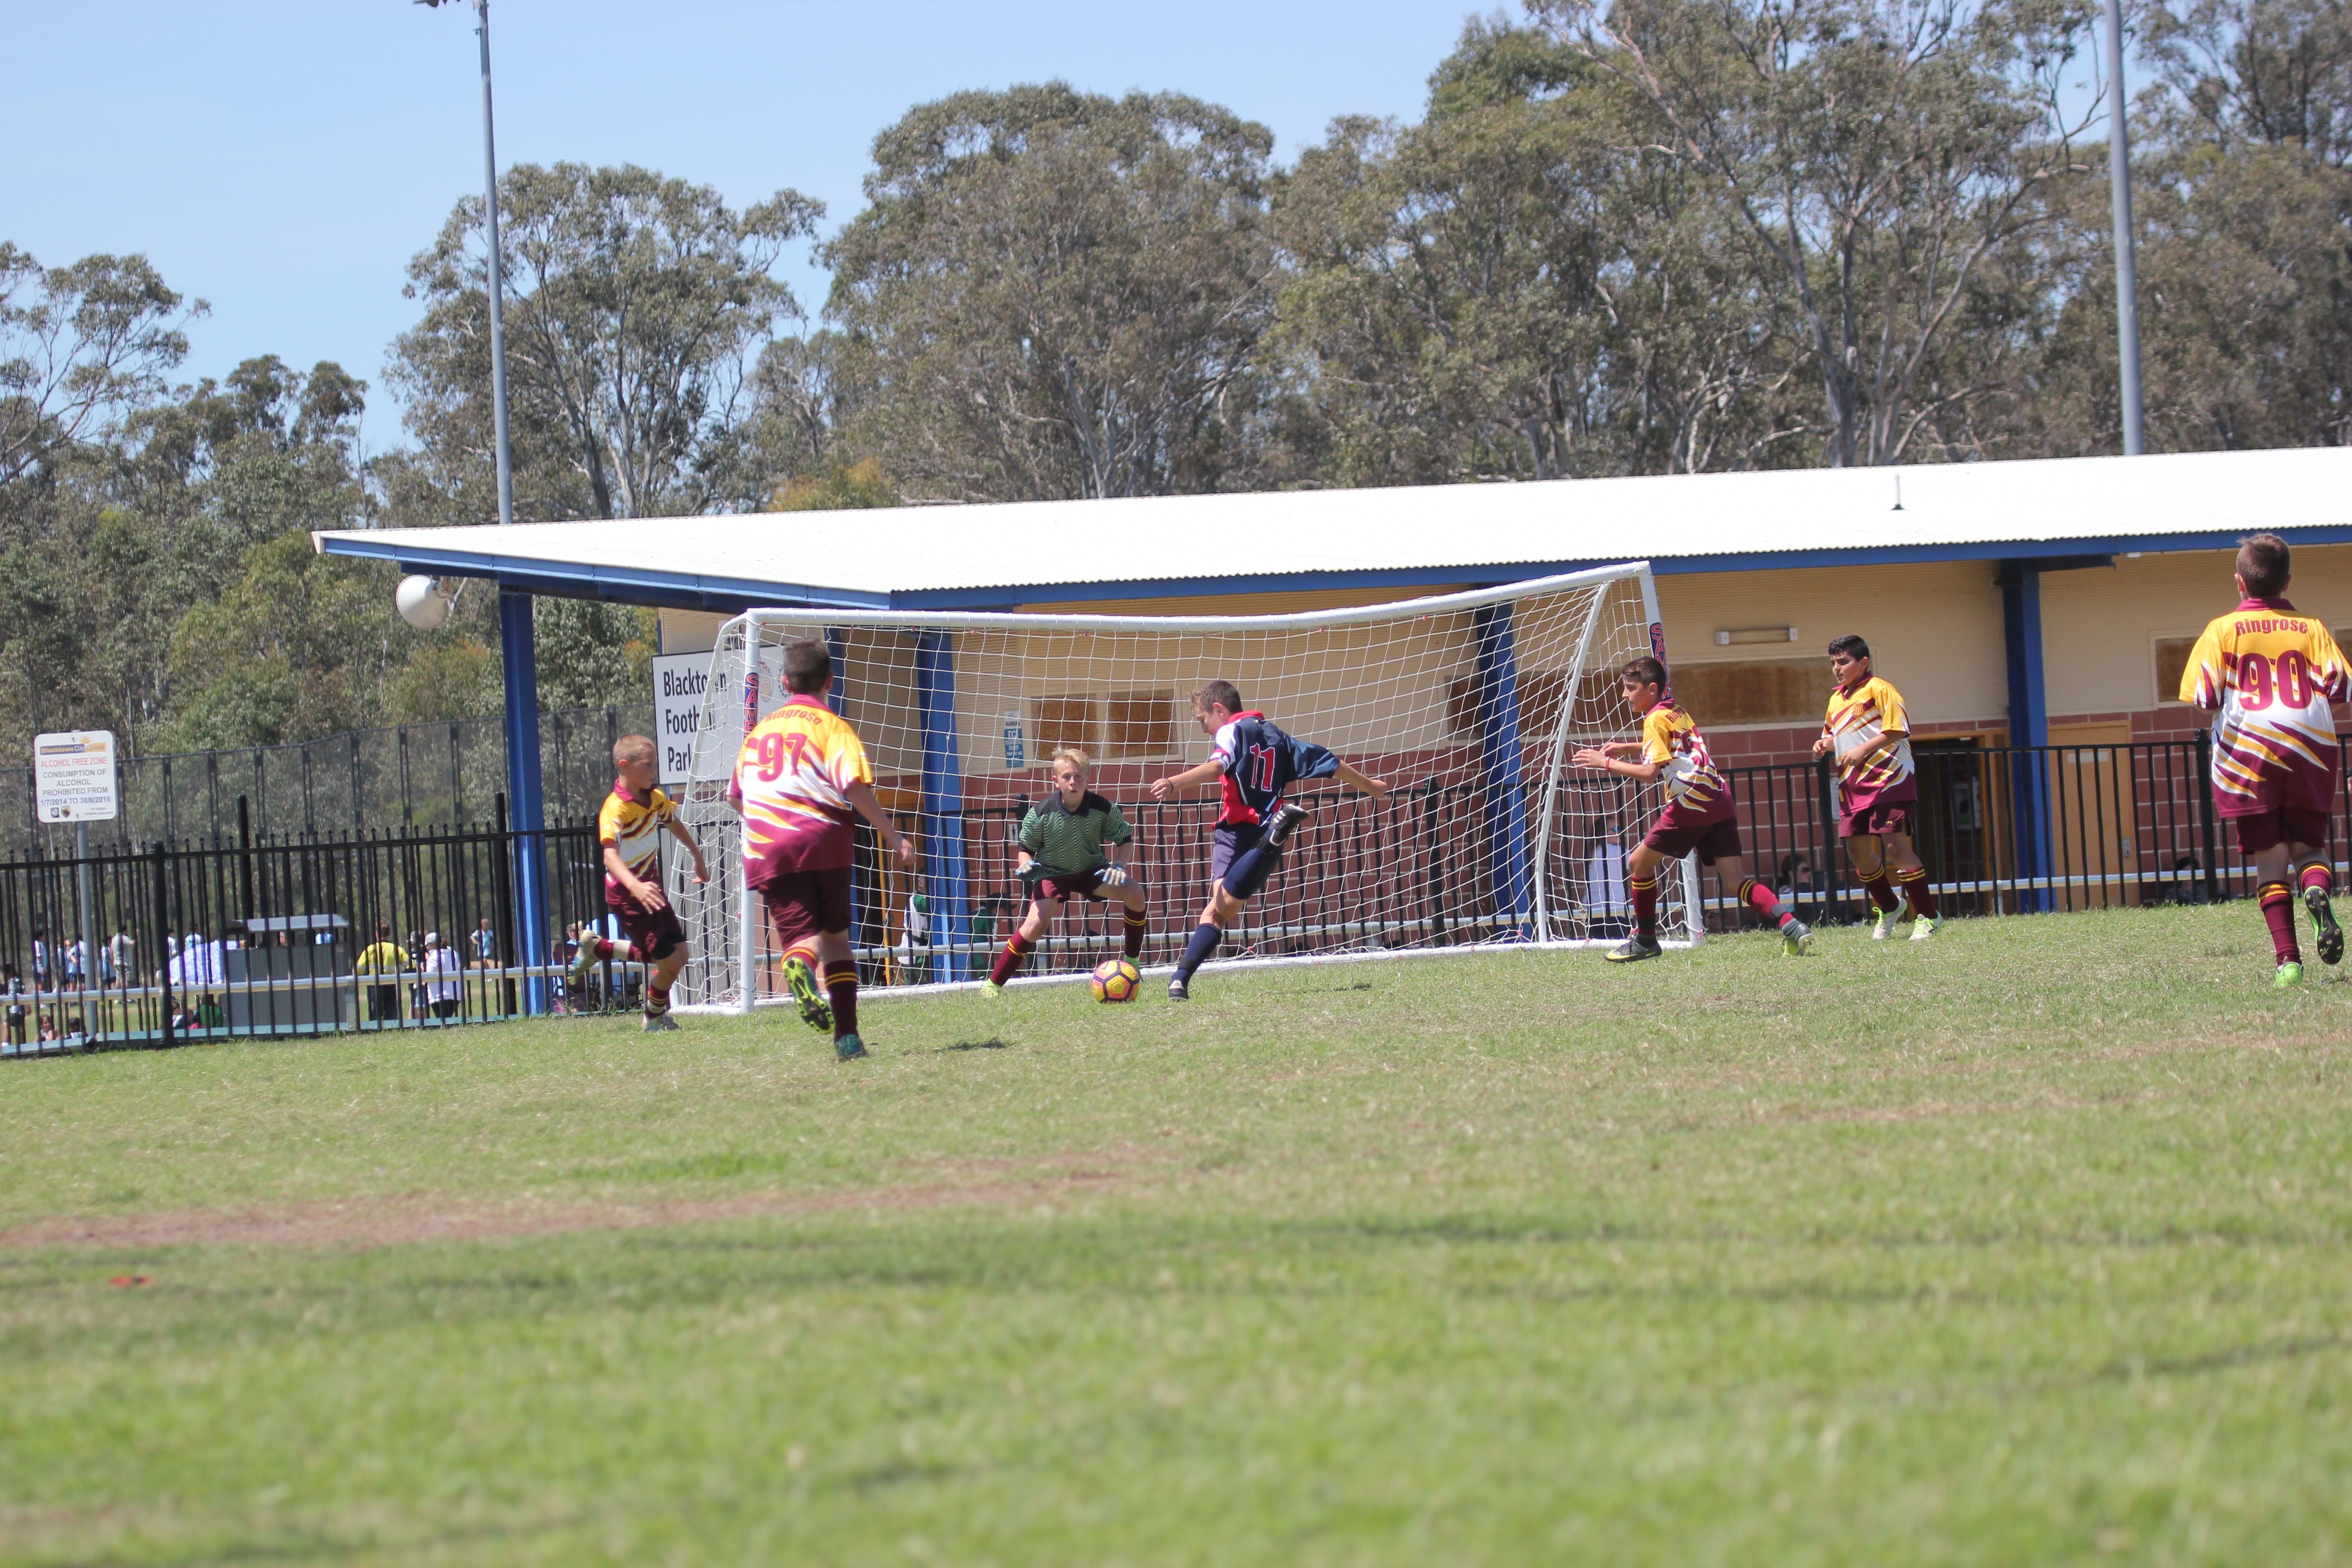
(1468, 705)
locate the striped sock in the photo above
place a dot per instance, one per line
(1645, 907)
(841, 989)
(1882, 892)
(1913, 881)
(1133, 928)
(2278, 912)
(1765, 902)
(656, 996)
(2318, 875)
(1017, 949)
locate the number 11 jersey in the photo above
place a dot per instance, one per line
(2270, 673)
(1260, 761)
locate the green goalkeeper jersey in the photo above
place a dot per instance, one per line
(1068, 840)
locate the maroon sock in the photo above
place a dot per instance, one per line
(2318, 875)
(2278, 913)
(841, 989)
(1646, 908)
(604, 949)
(1765, 902)
(1915, 888)
(1882, 892)
(1135, 927)
(656, 997)
(1017, 949)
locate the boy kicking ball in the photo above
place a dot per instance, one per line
(630, 826)
(2270, 676)
(1877, 788)
(801, 774)
(1257, 762)
(1068, 850)
(1699, 814)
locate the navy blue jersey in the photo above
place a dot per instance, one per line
(1259, 762)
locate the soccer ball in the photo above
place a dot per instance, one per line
(1115, 980)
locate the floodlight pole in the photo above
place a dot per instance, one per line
(2126, 266)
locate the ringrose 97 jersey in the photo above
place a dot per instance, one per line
(2269, 674)
(792, 783)
(1260, 761)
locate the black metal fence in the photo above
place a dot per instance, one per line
(258, 933)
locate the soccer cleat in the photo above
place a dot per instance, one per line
(2331, 935)
(1634, 949)
(992, 987)
(848, 1048)
(1928, 926)
(1883, 925)
(660, 1023)
(576, 972)
(1796, 939)
(816, 1012)
(1285, 818)
(2289, 976)
(1179, 990)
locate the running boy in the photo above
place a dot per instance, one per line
(1257, 762)
(630, 826)
(802, 772)
(1877, 788)
(1699, 814)
(2269, 675)
(1066, 851)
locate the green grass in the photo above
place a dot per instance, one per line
(2024, 1245)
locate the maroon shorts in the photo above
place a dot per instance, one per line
(804, 904)
(2279, 825)
(1715, 840)
(1076, 885)
(1880, 816)
(655, 933)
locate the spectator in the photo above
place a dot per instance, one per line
(12, 986)
(1796, 886)
(75, 952)
(915, 942)
(2188, 885)
(383, 956)
(49, 1030)
(485, 945)
(120, 953)
(208, 1013)
(1606, 905)
(442, 972)
(41, 981)
(559, 957)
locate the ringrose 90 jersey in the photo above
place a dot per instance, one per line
(1260, 761)
(2269, 674)
(791, 781)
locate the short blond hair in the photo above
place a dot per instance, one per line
(634, 748)
(1072, 755)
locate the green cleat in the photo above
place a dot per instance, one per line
(848, 1048)
(2288, 977)
(816, 1012)
(991, 988)
(1634, 949)
(660, 1023)
(1882, 924)
(2330, 940)
(1928, 926)
(1796, 939)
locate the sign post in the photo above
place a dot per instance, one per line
(73, 781)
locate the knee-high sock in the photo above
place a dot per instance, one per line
(2278, 912)
(1645, 906)
(1017, 949)
(656, 995)
(1133, 927)
(2318, 875)
(626, 951)
(841, 989)
(1913, 883)
(1766, 902)
(1882, 892)
(1205, 938)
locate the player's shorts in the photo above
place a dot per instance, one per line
(1061, 885)
(1233, 840)
(655, 933)
(803, 905)
(1880, 816)
(1715, 840)
(2279, 825)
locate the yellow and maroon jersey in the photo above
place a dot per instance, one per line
(792, 780)
(634, 825)
(2269, 675)
(1857, 717)
(1696, 790)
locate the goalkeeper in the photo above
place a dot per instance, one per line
(1067, 852)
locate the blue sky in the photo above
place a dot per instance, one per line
(285, 161)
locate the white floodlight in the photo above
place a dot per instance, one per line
(425, 602)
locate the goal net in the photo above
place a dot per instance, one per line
(1468, 705)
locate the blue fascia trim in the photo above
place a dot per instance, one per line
(557, 579)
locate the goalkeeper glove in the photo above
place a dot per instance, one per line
(1114, 877)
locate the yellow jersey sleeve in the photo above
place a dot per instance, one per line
(1891, 715)
(608, 820)
(2201, 677)
(1658, 735)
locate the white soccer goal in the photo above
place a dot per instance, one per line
(1469, 705)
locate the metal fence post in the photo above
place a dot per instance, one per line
(160, 859)
(2206, 837)
(1832, 860)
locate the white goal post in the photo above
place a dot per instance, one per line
(1468, 705)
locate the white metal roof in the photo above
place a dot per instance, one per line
(1730, 521)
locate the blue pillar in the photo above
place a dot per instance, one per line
(1500, 792)
(526, 801)
(2029, 725)
(951, 890)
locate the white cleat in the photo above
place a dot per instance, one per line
(1928, 926)
(1884, 925)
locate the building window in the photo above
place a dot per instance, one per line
(1143, 725)
(1065, 721)
(1760, 691)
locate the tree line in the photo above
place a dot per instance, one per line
(1657, 236)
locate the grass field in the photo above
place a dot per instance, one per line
(2024, 1246)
